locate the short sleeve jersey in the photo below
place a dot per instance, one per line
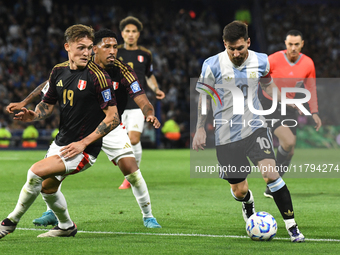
(231, 86)
(82, 96)
(125, 84)
(287, 74)
(141, 62)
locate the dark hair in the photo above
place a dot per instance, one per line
(76, 32)
(234, 31)
(294, 33)
(102, 33)
(130, 20)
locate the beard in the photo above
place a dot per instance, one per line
(109, 65)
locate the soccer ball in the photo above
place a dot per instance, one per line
(261, 226)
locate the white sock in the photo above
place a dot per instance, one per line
(47, 207)
(141, 193)
(28, 194)
(289, 223)
(137, 151)
(57, 203)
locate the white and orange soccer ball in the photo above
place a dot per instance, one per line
(261, 226)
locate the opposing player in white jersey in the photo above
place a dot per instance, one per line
(232, 76)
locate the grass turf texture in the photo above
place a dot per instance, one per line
(109, 220)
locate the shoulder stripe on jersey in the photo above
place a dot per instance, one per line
(99, 74)
(144, 49)
(126, 73)
(62, 64)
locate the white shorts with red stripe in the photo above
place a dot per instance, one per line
(73, 165)
(133, 120)
(117, 145)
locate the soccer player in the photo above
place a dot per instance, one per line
(240, 69)
(140, 59)
(87, 113)
(116, 144)
(290, 68)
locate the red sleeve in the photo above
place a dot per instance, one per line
(310, 84)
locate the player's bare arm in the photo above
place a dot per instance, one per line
(317, 120)
(269, 88)
(29, 99)
(42, 111)
(152, 83)
(147, 109)
(200, 137)
(110, 122)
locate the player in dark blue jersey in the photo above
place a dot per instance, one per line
(140, 59)
(87, 113)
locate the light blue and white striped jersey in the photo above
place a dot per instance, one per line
(233, 85)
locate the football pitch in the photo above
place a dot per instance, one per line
(198, 215)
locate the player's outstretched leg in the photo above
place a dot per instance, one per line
(248, 206)
(58, 232)
(141, 193)
(6, 227)
(47, 218)
(28, 194)
(66, 227)
(284, 203)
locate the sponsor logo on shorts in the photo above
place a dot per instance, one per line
(127, 146)
(267, 151)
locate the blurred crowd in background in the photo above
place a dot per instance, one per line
(180, 34)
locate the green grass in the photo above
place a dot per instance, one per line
(109, 220)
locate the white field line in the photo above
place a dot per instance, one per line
(179, 234)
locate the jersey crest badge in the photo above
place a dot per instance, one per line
(140, 58)
(82, 84)
(115, 85)
(252, 75)
(106, 95)
(135, 87)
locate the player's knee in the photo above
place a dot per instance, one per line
(35, 169)
(134, 140)
(127, 165)
(289, 144)
(48, 189)
(239, 193)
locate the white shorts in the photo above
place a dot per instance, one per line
(133, 120)
(117, 145)
(73, 165)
